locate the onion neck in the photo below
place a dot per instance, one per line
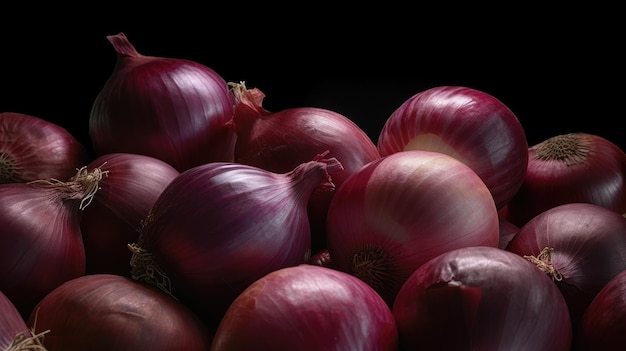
(570, 149)
(544, 262)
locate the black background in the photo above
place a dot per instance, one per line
(559, 70)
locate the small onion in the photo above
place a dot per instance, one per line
(574, 167)
(14, 333)
(481, 298)
(307, 307)
(404, 209)
(581, 246)
(172, 109)
(32, 148)
(218, 227)
(113, 219)
(468, 124)
(111, 312)
(603, 325)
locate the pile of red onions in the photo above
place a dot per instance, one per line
(399, 211)
(481, 298)
(32, 148)
(14, 333)
(218, 227)
(468, 124)
(172, 109)
(111, 312)
(307, 307)
(574, 167)
(280, 141)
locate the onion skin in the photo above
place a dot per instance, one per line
(481, 298)
(113, 220)
(32, 148)
(404, 209)
(307, 307)
(111, 312)
(171, 109)
(574, 167)
(603, 324)
(468, 124)
(13, 328)
(588, 245)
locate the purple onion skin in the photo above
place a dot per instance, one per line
(12, 323)
(307, 307)
(481, 298)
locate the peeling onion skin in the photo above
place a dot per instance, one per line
(481, 298)
(111, 312)
(32, 148)
(574, 167)
(588, 245)
(307, 307)
(468, 124)
(403, 209)
(171, 109)
(603, 325)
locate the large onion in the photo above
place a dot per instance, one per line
(404, 209)
(307, 307)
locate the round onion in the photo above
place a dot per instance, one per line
(404, 209)
(32, 148)
(111, 312)
(14, 333)
(113, 219)
(581, 246)
(172, 109)
(603, 325)
(574, 167)
(468, 124)
(481, 298)
(218, 227)
(307, 307)
(280, 141)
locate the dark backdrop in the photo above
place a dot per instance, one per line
(560, 71)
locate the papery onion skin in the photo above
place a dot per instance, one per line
(566, 168)
(603, 325)
(468, 124)
(403, 209)
(12, 324)
(588, 248)
(32, 148)
(113, 219)
(307, 307)
(220, 226)
(481, 298)
(111, 312)
(171, 109)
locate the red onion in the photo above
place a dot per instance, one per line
(404, 209)
(468, 124)
(171, 109)
(575, 167)
(481, 298)
(111, 312)
(32, 148)
(218, 227)
(113, 219)
(507, 232)
(40, 241)
(280, 141)
(581, 246)
(307, 307)
(603, 325)
(14, 333)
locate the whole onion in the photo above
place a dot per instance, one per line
(481, 298)
(172, 109)
(132, 184)
(32, 148)
(307, 307)
(468, 124)
(280, 141)
(218, 227)
(14, 333)
(402, 210)
(574, 167)
(581, 246)
(111, 312)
